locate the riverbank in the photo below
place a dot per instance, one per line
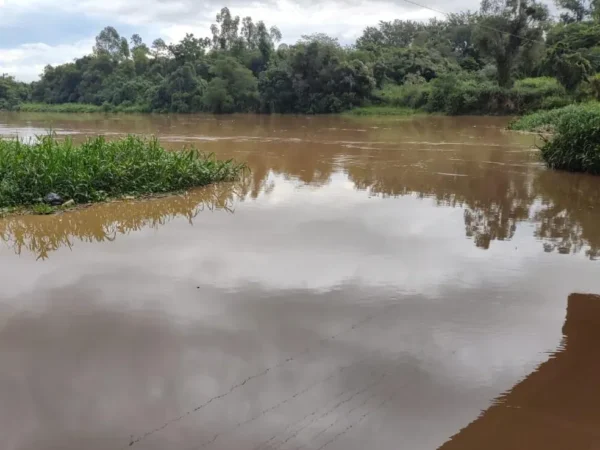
(574, 144)
(397, 111)
(449, 94)
(79, 108)
(547, 121)
(98, 170)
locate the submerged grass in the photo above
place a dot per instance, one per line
(81, 108)
(575, 141)
(62, 108)
(99, 169)
(576, 144)
(384, 111)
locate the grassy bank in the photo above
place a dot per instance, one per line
(99, 169)
(547, 121)
(575, 143)
(62, 108)
(384, 111)
(79, 108)
(464, 95)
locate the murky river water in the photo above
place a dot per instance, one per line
(374, 283)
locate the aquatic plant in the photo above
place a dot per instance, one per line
(98, 169)
(548, 120)
(384, 111)
(576, 144)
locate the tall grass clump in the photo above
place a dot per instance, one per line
(547, 121)
(82, 108)
(98, 169)
(383, 111)
(60, 108)
(576, 144)
(466, 93)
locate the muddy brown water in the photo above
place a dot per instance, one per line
(374, 283)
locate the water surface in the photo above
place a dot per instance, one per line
(373, 283)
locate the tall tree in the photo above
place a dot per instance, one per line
(225, 31)
(109, 42)
(504, 27)
(578, 10)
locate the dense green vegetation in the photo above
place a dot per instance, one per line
(508, 57)
(60, 107)
(12, 93)
(576, 145)
(575, 142)
(98, 169)
(382, 111)
(547, 121)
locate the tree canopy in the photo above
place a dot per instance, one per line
(242, 67)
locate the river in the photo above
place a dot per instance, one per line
(372, 283)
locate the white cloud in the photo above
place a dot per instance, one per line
(171, 19)
(295, 19)
(27, 61)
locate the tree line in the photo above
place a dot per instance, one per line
(508, 56)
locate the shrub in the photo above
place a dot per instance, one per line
(554, 102)
(464, 93)
(382, 111)
(407, 95)
(531, 94)
(576, 145)
(548, 120)
(60, 108)
(595, 85)
(97, 169)
(453, 95)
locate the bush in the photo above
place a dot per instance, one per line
(549, 120)
(531, 94)
(97, 169)
(60, 108)
(554, 102)
(413, 96)
(576, 145)
(457, 94)
(382, 111)
(595, 85)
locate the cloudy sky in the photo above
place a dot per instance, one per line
(34, 33)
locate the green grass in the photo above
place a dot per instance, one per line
(547, 121)
(81, 108)
(575, 141)
(99, 169)
(384, 111)
(576, 144)
(63, 108)
(42, 209)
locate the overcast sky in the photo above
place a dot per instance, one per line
(34, 33)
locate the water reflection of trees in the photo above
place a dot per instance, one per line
(487, 173)
(43, 234)
(564, 208)
(569, 218)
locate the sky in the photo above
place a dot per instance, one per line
(34, 33)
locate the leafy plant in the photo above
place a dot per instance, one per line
(576, 145)
(549, 120)
(98, 168)
(42, 209)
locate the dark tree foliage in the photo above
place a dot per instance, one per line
(505, 28)
(578, 10)
(467, 62)
(12, 93)
(315, 76)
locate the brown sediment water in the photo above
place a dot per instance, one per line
(372, 283)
